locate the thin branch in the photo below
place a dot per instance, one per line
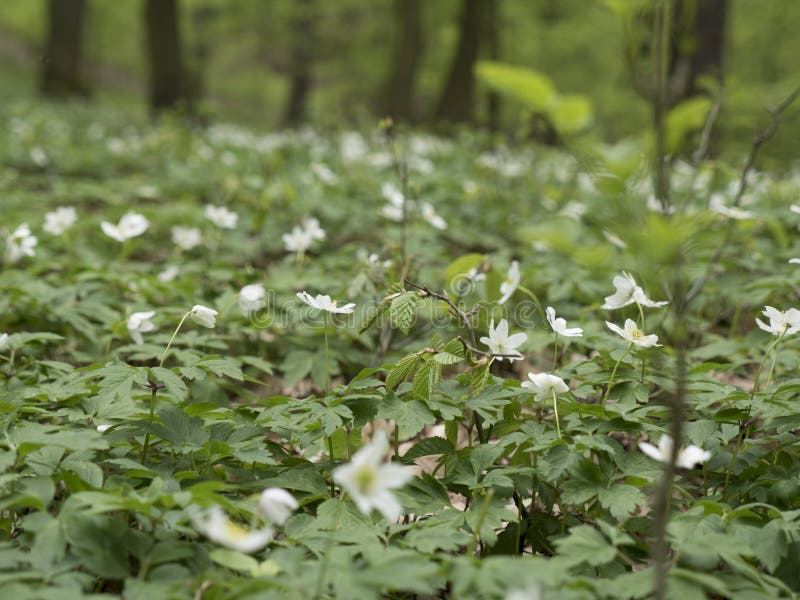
(758, 141)
(463, 316)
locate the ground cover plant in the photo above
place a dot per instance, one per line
(386, 364)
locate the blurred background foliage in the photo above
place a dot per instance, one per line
(274, 63)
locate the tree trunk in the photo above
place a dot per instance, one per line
(456, 101)
(167, 77)
(302, 58)
(61, 70)
(398, 101)
(698, 46)
(493, 41)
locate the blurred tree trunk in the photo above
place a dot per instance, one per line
(456, 100)
(167, 75)
(698, 47)
(398, 99)
(493, 41)
(61, 71)
(301, 61)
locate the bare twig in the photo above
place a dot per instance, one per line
(758, 141)
(705, 136)
(464, 317)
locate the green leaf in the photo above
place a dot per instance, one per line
(172, 381)
(534, 89)
(403, 311)
(296, 366)
(409, 416)
(426, 378)
(457, 271)
(621, 500)
(402, 370)
(428, 447)
(234, 560)
(221, 366)
(585, 545)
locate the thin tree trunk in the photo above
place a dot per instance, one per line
(493, 41)
(302, 59)
(398, 99)
(457, 97)
(61, 70)
(167, 75)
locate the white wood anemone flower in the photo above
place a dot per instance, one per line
(559, 324)
(325, 303)
(780, 322)
(202, 315)
(511, 283)
(500, 342)
(215, 525)
(627, 292)
(545, 385)
(186, 238)
(250, 297)
(369, 481)
(130, 226)
(59, 220)
(3, 339)
(20, 243)
(688, 457)
(139, 323)
(277, 504)
(633, 334)
(221, 216)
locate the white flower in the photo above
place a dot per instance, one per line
(780, 323)
(38, 156)
(687, 457)
(633, 334)
(168, 274)
(559, 325)
(186, 237)
(20, 243)
(216, 525)
(325, 303)
(432, 218)
(312, 228)
(500, 342)
(3, 339)
(794, 261)
(475, 275)
(368, 480)
(299, 240)
(614, 240)
(717, 204)
(627, 292)
(139, 323)
(509, 286)
(545, 385)
(795, 208)
(250, 297)
(104, 427)
(129, 226)
(277, 504)
(202, 315)
(324, 173)
(61, 219)
(393, 210)
(221, 216)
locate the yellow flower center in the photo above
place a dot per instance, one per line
(637, 334)
(234, 531)
(366, 478)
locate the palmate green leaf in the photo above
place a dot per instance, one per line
(297, 365)
(584, 544)
(221, 366)
(409, 416)
(184, 432)
(621, 500)
(403, 311)
(173, 382)
(401, 570)
(429, 446)
(117, 380)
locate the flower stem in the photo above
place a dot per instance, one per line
(330, 455)
(172, 339)
(146, 444)
(764, 360)
(325, 331)
(533, 297)
(555, 410)
(613, 373)
(481, 517)
(555, 353)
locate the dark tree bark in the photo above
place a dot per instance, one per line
(61, 70)
(167, 74)
(493, 41)
(398, 101)
(457, 97)
(301, 63)
(698, 47)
